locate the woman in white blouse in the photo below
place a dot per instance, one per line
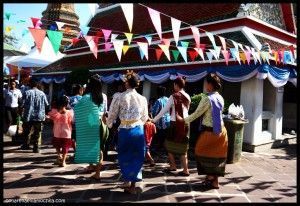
(132, 110)
(177, 141)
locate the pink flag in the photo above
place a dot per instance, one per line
(226, 56)
(200, 52)
(106, 34)
(108, 45)
(166, 42)
(38, 36)
(247, 53)
(176, 29)
(155, 17)
(34, 21)
(92, 44)
(196, 35)
(223, 42)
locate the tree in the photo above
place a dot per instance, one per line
(9, 39)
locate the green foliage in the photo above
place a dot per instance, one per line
(195, 100)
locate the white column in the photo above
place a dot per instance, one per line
(146, 89)
(104, 88)
(252, 101)
(277, 119)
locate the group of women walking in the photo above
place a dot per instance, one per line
(131, 109)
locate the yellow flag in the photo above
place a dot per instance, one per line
(243, 57)
(165, 49)
(129, 37)
(125, 49)
(8, 29)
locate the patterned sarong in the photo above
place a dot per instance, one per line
(173, 147)
(211, 153)
(131, 152)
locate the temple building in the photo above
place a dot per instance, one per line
(64, 13)
(263, 89)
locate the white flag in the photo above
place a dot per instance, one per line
(118, 45)
(143, 49)
(155, 17)
(176, 29)
(182, 50)
(93, 8)
(196, 35)
(128, 13)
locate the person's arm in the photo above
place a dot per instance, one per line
(144, 116)
(203, 106)
(164, 109)
(113, 112)
(154, 129)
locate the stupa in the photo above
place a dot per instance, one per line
(63, 13)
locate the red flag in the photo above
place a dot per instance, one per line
(34, 21)
(158, 53)
(166, 41)
(96, 39)
(226, 56)
(38, 36)
(75, 40)
(193, 54)
(99, 34)
(202, 46)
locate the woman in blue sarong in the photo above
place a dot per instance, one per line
(132, 110)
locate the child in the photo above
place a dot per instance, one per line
(62, 129)
(150, 130)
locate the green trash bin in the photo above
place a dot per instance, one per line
(235, 132)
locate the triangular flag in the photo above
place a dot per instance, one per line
(106, 34)
(241, 46)
(287, 57)
(209, 56)
(196, 35)
(59, 24)
(281, 55)
(24, 32)
(99, 34)
(155, 17)
(175, 54)
(93, 8)
(107, 45)
(113, 37)
(149, 39)
(55, 38)
(34, 21)
(255, 55)
(125, 49)
(183, 53)
(211, 38)
(276, 56)
(166, 42)
(235, 54)
(129, 37)
(38, 36)
(128, 13)
(248, 48)
(84, 30)
(118, 45)
(193, 54)
(75, 40)
(184, 43)
(176, 29)
(8, 15)
(236, 46)
(8, 29)
(165, 49)
(214, 52)
(21, 21)
(143, 49)
(291, 47)
(158, 53)
(248, 56)
(263, 55)
(226, 56)
(93, 46)
(243, 57)
(200, 52)
(223, 43)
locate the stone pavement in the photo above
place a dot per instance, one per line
(258, 177)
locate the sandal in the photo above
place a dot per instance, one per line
(183, 174)
(89, 169)
(168, 170)
(130, 190)
(207, 185)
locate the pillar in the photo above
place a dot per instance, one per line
(146, 89)
(277, 119)
(252, 101)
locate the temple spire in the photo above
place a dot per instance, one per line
(63, 13)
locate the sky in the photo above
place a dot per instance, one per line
(28, 10)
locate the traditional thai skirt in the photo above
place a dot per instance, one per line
(211, 152)
(131, 152)
(173, 147)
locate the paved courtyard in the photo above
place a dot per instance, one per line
(258, 177)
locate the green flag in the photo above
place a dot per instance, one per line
(55, 38)
(175, 54)
(21, 21)
(184, 43)
(7, 15)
